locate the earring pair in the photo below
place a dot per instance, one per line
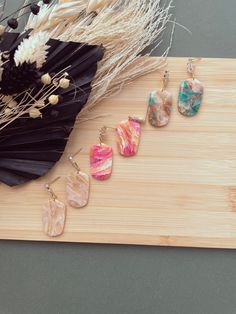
(189, 99)
(77, 194)
(128, 133)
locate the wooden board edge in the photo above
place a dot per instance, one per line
(126, 239)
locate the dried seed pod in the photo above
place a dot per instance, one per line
(12, 23)
(64, 83)
(35, 8)
(12, 104)
(7, 98)
(8, 111)
(35, 113)
(46, 79)
(53, 100)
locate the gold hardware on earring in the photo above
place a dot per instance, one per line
(102, 133)
(73, 162)
(191, 66)
(77, 185)
(165, 80)
(49, 189)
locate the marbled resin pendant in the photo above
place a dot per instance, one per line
(54, 216)
(190, 97)
(101, 157)
(77, 189)
(128, 137)
(159, 108)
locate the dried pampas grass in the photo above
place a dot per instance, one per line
(124, 27)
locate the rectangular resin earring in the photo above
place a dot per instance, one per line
(77, 186)
(101, 158)
(128, 136)
(54, 213)
(160, 105)
(190, 92)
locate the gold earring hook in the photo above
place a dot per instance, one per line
(73, 162)
(49, 189)
(191, 66)
(165, 80)
(102, 133)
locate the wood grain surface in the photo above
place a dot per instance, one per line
(180, 190)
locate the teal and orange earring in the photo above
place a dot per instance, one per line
(190, 92)
(160, 105)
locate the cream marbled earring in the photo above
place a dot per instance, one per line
(54, 213)
(77, 185)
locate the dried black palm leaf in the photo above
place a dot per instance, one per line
(29, 148)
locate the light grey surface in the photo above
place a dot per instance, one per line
(43, 278)
(213, 27)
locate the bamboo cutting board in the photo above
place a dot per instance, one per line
(180, 190)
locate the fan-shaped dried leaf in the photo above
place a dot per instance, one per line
(29, 148)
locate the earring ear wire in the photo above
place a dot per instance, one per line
(76, 153)
(165, 80)
(77, 185)
(49, 189)
(191, 66)
(103, 132)
(73, 162)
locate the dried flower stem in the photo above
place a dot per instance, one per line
(29, 102)
(124, 27)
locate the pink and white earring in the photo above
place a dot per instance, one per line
(101, 158)
(190, 92)
(54, 213)
(160, 105)
(77, 185)
(128, 136)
